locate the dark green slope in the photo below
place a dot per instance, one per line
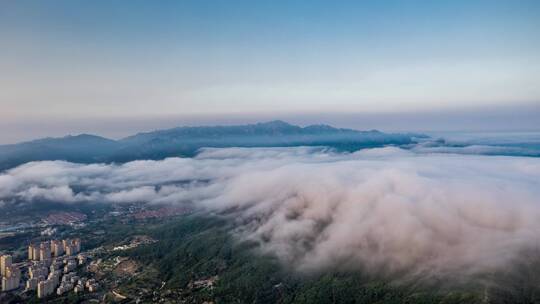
(200, 247)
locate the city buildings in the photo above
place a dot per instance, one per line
(33, 252)
(52, 268)
(72, 247)
(44, 251)
(5, 261)
(38, 269)
(32, 283)
(57, 248)
(92, 285)
(70, 265)
(45, 288)
(61, 264)
(11, 279)
(10, 274)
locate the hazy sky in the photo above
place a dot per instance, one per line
(143, 60)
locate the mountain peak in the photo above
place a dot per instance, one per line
(275, 123)
(320, 127)
(83, 136)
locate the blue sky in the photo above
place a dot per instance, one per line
(150, 59)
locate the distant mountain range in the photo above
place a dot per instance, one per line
(186, 141)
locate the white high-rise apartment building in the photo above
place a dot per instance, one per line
(5, 261)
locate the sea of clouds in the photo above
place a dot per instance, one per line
(387, 210)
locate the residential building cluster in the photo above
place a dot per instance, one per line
(45, 250)
(52, 269)
(10, 274)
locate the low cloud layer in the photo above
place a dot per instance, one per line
(385, 210)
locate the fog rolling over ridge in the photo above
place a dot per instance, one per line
(385, 210)
(186, 141)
